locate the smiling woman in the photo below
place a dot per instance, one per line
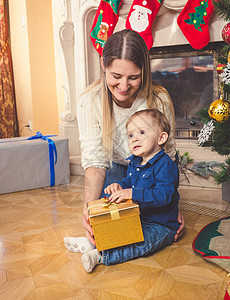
(124, 80)
(104, 108)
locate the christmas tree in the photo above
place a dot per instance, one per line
(216, 131)
(197, 18)
(218, 139)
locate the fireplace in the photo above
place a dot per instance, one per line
(82, 66)
(191, 79)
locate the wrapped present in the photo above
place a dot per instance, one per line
(34, 162)
(115, 225)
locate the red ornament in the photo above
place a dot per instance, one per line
(226, 33)
(220, 68)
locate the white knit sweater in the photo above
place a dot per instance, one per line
(89, 115)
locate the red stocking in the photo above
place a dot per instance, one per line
(193, 22)
(104, 22)
(141, 17)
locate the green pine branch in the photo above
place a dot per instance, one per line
(204, 168)
(184, 159)
(222, 7)
(223, 176)
(223, 54)
(220, 141)
(220, 138)
(223, 59)
(203, 114)
(227, 88)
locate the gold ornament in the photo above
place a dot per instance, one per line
(219, 110)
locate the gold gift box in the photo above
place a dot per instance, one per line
(115, 225)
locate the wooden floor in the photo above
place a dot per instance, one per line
(34, 264)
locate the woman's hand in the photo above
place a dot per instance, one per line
(180, 231)
(112, 188)
(121, 196)
(88, 228)
(93, 185)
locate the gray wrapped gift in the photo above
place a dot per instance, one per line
(29, 163)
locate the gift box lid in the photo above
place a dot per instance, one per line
(100, 212)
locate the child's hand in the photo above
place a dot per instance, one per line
(121, 196)
(112, 188)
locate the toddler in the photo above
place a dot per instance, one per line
(152, 181)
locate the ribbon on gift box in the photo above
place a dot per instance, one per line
(52, 153)
(112, 207)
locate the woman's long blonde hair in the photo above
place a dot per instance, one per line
(129, 45)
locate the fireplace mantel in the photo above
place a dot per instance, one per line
(81, 60)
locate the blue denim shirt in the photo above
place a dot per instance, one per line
(154, 187)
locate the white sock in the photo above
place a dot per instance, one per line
(91, 259)
(78, 244)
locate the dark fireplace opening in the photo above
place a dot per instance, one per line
(191, 79)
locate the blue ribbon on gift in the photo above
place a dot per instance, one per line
(52, 153)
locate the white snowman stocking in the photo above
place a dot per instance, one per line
(141, 16)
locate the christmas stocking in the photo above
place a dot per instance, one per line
(104, 22)
(141, 17)
(193, 22)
